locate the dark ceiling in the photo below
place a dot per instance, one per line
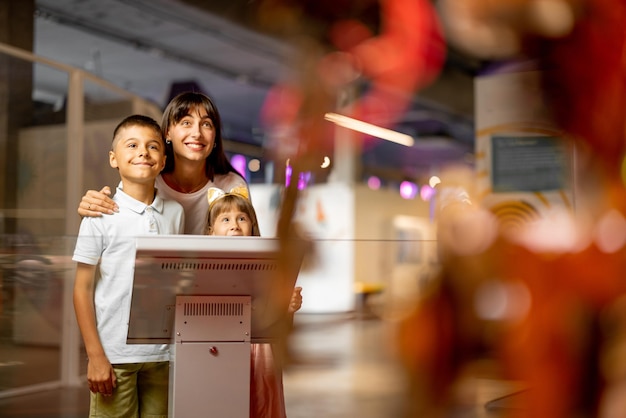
(288, 18)
(235, 50)
(442, 113)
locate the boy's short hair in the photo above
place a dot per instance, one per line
(138, 120)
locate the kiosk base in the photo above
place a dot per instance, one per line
(211, 367)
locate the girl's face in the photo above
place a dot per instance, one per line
(232, 223)
(193, 137)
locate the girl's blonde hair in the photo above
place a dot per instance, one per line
(228, 202)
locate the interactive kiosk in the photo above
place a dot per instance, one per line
(211, 297)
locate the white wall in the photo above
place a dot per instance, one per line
(355, 232)
(326, 214)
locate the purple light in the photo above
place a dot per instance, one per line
(303, 180)
(288, 172)
(427, 193)
(239, 163)
(408, 190)
(373, 183)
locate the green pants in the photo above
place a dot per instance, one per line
(141, 392)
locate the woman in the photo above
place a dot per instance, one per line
(195, 161)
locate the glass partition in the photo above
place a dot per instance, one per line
(54, 144)
(56, 124)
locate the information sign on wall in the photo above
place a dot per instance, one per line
(528, 163)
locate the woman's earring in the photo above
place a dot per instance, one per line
(168, 141)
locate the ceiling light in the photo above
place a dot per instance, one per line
(254, 165)
(433, 181)
(369, 129)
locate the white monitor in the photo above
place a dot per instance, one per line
(170, 265)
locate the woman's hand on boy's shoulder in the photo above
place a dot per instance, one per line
(94, 203)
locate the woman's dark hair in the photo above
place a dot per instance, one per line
(179, 107)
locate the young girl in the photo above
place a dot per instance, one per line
(232, 214)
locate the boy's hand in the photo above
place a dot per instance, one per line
(100, 376)
(296, 300)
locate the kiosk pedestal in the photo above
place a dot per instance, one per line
(211, 371)
(211, 297)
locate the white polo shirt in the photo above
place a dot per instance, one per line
(110, 240)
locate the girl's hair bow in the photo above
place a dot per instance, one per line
(214, 193)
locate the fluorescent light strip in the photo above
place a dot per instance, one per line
(369, 129)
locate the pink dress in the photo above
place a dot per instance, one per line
(267, 399)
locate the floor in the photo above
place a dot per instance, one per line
(341, 366)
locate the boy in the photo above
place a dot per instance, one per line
(124, 379)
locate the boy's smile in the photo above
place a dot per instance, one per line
(138, 153)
